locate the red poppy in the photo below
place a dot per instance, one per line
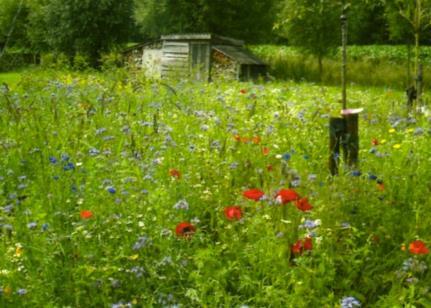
(243, 91)
(297, 247)
(285, 196)
(301, 245)
(175, 173)
(185, 229)
(265, 151)
(86, 214)
(237, 138)
(381, 186)
(256, 139)
(418, 248)
(269, 168)
(245, 139)
(308, 243)
(375, 142)
(303, 205)
(253, 194)
(233, 212)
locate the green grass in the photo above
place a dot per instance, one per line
(11, 78)
(109, 142)
(367, 65)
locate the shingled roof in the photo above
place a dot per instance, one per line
(238, 54)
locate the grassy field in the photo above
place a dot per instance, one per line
(11, 78)
(119, 191)
(384, 66)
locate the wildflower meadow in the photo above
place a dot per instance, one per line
(117, 191)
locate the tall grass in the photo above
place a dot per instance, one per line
(367, 65)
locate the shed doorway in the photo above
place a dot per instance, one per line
(200, 55)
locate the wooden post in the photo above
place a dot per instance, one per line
(344, 131)
(420, 85)
(343, 19)
(351, 140)
(336, 132)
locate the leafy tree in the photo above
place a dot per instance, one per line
(80, 26)
(13, 18)
(251, 20)
(410, 20)
(157, 17)
(313, 25)
(367, 22)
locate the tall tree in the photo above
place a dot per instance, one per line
(157, 17)
(410, 19)
(251, 20)
(13, 18)
(80, 26)
(313, 25)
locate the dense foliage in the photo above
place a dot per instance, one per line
(251, 20)
(91, 27)
(117, 191)
(81, 27)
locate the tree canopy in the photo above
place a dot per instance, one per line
(91, 27)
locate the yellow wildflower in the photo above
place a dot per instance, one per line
(19, 250)
(134, 257)
(7, 290)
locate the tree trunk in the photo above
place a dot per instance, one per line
(320, 62)
(409, 65)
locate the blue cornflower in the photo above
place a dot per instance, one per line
(21, 292)
(312, 177)
(418, 131)
(7, 227)
(309, 224)
(286, 156)
(350, 302)
(345, 225)
(295, 183)
(100, 130)
(372, 176)
(12, 196)
(181, 205)
(45, 227)
(141, 242)
(111, 190)
(122, 305)
(32, 225)
(8, 208)
(65, 157)
(69, 166)
(138, 271)
(356, 173)
(22, 186)
(22, 178)
(93, 152)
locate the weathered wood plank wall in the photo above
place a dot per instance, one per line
(175, 59)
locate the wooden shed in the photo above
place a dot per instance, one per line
(203, 57)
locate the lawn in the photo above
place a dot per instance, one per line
(11, 78)
(120, 191)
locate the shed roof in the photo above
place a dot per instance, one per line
(241, 55)
(215, 39)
